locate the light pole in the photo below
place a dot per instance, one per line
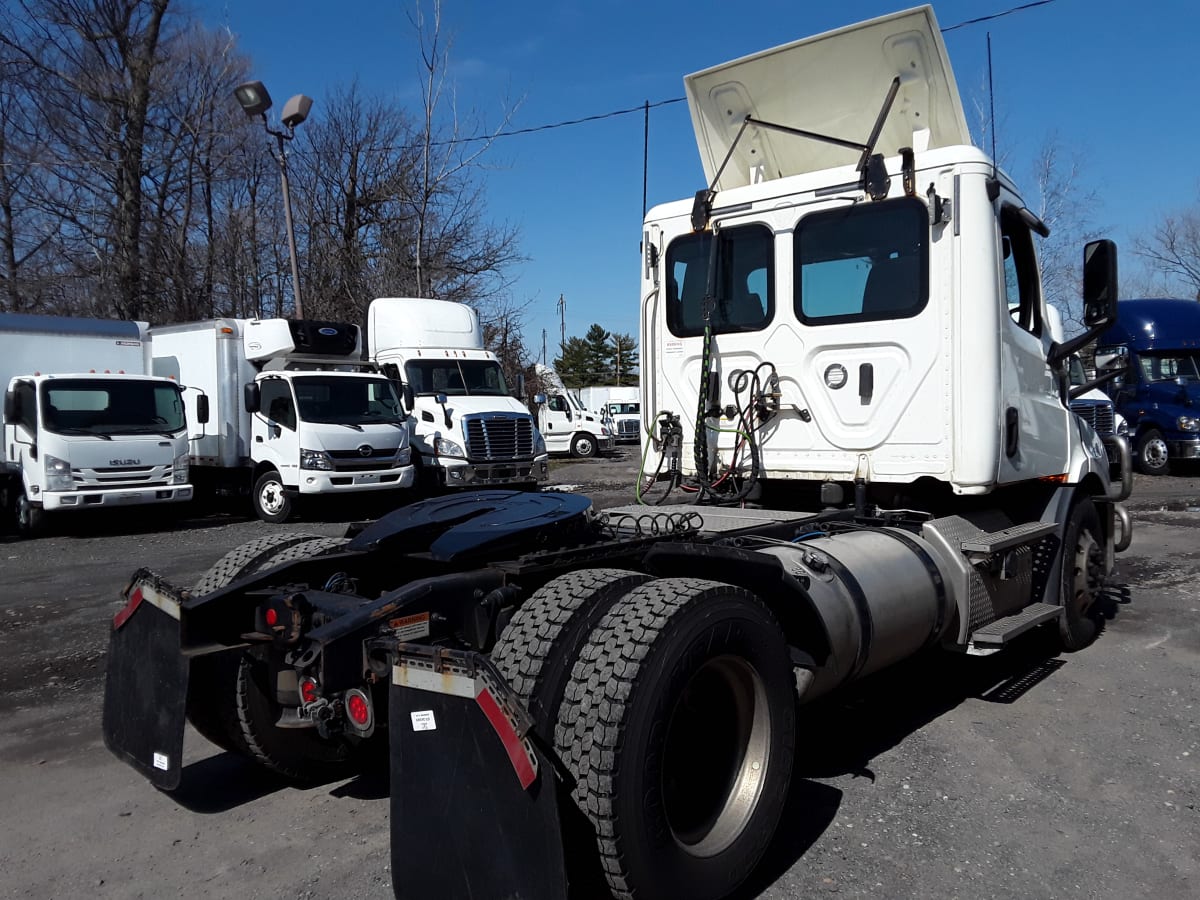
(254, 99)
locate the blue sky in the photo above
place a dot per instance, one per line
(1115, 81)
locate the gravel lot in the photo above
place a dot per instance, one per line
(1028, 774)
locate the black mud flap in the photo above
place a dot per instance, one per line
(145, 691)
(474, 808)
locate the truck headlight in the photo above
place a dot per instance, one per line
(446, 447)
(58, 474)
(1187, 423)
(179, 469)
(1123, 428)
(404, 456)
(539, 443)
(315, 459)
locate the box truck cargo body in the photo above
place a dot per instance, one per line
(620, 403)
(85, 426)
(467, 427)
(292, 411)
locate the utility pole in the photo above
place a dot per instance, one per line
(543, 346)
(562, 325)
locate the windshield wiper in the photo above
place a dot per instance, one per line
(87, 431)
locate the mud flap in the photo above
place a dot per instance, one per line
(474, 809)
(145, 690)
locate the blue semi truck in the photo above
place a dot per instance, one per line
(1155, 344)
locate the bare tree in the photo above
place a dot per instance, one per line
(1173, 250)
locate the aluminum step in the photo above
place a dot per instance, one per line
(1004, 630)
(1018, 535)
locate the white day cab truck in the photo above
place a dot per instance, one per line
(825, 331)
(293, 413)
(85, 424)
(468, 427)
(621, 404)
(569, 426)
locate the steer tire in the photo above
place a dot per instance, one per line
(212, 679)
(539, 646)
(583, 445)
(687, 691)
(1150, 453)
(1082, 577)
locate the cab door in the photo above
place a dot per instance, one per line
(275, 439)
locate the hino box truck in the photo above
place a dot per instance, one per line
(845, 360)
(85, 425)
(293, 412)
(468, 427)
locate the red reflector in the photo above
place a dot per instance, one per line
(308, 689)
(513, 745)
(122, 617)
(360, 713)
(272, 617)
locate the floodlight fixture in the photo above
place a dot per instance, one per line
(296, 110)
(253, 98)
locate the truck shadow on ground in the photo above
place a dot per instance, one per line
(857, 725)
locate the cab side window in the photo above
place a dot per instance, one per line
(1021, 280)
(745, 285)
(277, 403)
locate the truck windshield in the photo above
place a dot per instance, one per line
(1169, 366)
(1078, 376)
(456, 377)
(623, 409)
(329, 400)
(111, 406)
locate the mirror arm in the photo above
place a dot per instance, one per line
(1058, 352)
(1080, 390)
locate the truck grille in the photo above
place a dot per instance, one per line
(106, 478)
(628, 428)
(355, 461)
(1097, 413)
(498, 436)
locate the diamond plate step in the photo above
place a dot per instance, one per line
(1018, 535)
(1004, 630)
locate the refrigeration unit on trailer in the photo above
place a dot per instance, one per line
(295, 410)
(85, 425)
(469, 427)
(851, 333)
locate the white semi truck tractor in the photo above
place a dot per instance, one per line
(845, 359)
(469, 429)
(85, 424)
(296, 411)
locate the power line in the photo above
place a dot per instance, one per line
(999, 15)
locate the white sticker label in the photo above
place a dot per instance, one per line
(422, 720)
(673, 348)
(161, 761)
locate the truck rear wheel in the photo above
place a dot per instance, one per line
(212, 681)
(272, 502)
(539, 646)
(1082, 576)
(688, 690)
(1151, 455)
(583, 445)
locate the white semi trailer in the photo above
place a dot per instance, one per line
(294, 414)
(846, 325)
(468, 427)
(85, 425)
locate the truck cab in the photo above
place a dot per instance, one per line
(469, 427)
(1155, 344)
(569, 427)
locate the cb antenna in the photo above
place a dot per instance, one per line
(994, 187)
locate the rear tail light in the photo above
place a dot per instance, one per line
(359, 713)
(309, 689)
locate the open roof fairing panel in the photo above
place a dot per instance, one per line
(833, 84)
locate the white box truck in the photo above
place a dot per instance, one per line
(619, 403)
(467, 427)
(293, 412)
(85, 426)
(569, 426)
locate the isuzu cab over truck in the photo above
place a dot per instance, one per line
(294, 413)
(85, 426)
(848, 314)
(468, 428)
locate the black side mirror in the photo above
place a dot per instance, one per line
(252, 397)
(520, 386)
(1099, 283)
(202, 409)
(410, 399)
(12, 408)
